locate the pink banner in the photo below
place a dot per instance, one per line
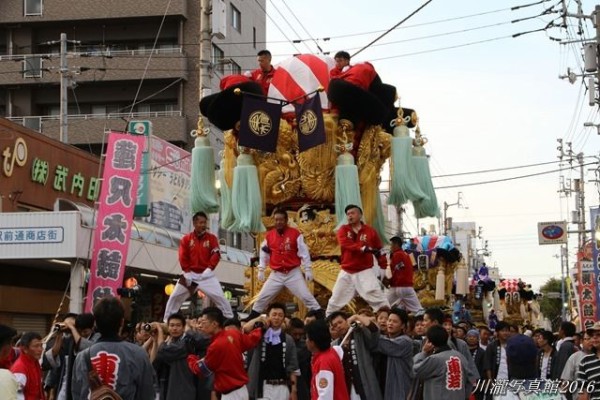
(115, 215)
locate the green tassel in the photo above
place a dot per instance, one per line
(427, 207)
(347, 188)
(247, 206)
(404, 185)
(204, 192)
(379, 223)
(227, 218)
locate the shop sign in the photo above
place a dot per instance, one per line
(46, 234)
(552, 232)
(44, 173)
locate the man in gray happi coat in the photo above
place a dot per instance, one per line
(359, 369)
(442, 369)
(398, 347)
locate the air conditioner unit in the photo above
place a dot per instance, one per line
(219, 19)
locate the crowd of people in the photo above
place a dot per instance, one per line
(386, 355)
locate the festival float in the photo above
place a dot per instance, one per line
(313, 145)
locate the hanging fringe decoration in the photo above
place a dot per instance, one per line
(347, 188)
(204, 191)
(379, 221)
(404, 185)
(440, 284)
(227, 218)
(247, 206)
(428, 207)
(462, 279)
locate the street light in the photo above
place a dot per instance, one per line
(459, 203)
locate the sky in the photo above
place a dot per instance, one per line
(487, 101)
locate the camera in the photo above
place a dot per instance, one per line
(129, 293)
(60, 328)
(147, 327)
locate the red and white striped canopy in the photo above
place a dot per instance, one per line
(299, 75)
(511, 285)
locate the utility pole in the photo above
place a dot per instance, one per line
(445, 216)
(597, 25)
(564, 267)
(205, 49)
(64, 83)
(580, 203)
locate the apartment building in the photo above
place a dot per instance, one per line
(126, 60)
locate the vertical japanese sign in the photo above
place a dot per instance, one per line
(594, 221)
(115, 215)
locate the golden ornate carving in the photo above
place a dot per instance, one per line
(279, 173)
(317, 229)
(373, 151)
(317, 165)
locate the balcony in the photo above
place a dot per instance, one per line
(90, 128)
(36, 11)
(33, 69)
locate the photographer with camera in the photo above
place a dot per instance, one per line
(74, 334)
(176, 381)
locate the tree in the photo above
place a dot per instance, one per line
(551, 307)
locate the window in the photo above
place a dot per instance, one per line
(217, 59)
(235, 68)
(33, 7)
(236, 18)
(32, 67)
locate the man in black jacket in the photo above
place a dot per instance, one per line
(565, 346)
(176, 380)
(477, 353)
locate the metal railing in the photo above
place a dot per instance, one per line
(146, 115)
(97, 53)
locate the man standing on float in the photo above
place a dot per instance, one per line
(199, 255)
(359, 243)
(284, 250)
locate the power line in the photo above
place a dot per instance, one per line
(496, 169)
(302, 26)
(394, 27)
(290, 25)
(150, 57)
(443, 48)
(515, 177)
(277, 25)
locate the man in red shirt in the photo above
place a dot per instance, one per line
(283, 249)
(401, 290)
(328, 381)
(199, 255)
(27, 369)
(265, 71)
(224, 355)
(359, 243)
(342, 64)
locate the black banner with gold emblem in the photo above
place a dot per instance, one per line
(311, 127)
(259, 124)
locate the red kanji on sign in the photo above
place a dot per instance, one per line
(454, 378)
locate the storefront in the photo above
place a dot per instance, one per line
(47, 194)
